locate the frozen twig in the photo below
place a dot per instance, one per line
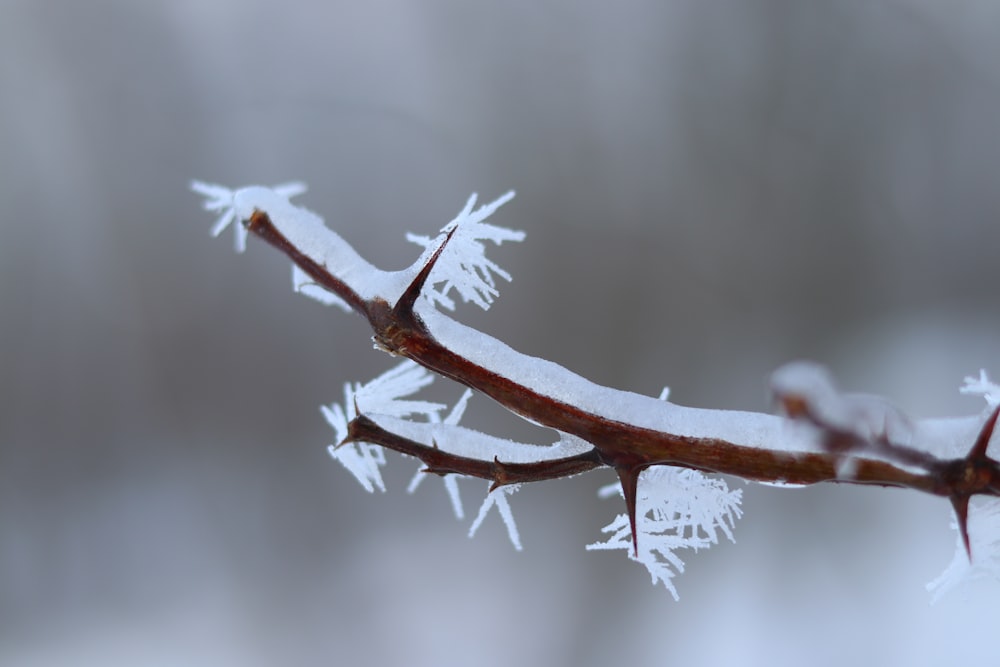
(662, 452)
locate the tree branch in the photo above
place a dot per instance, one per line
(402, 328)
(824, 435)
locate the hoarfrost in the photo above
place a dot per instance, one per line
(237, 205)
(676, 508)
(498, 498)
(462, 265)
(451, 480)
(984, 543)
(983, 386)
(382, 395)
(306, 286)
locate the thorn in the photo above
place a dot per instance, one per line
(412, 292)
(961, 505)
(629, 478)
(499, 475)
(976, 465)
(978, 450)
(348, 439)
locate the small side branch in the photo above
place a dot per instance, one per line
(441, 462)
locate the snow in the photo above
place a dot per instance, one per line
(865, 416)
(748, 429)
(467, 442)
(303, 229)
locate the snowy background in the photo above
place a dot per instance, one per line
(710, 189)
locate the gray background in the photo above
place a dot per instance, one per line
(710, 189)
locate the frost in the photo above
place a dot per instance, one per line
(984, 542)
(462, 264)
(233, 206)
(498, 498)
(305, 231)
(304, 285)
(381, 396)
(676, 508)
(983, 386)
(450, 481)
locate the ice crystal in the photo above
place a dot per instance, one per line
(451, 480)
(676, 508)
(498, 498)
(303, 283)
(462, 265)
(230, 203)
(984, 386)
(380, 396)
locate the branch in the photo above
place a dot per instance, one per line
(825, 437)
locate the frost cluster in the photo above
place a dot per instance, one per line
(237, 205)
(676, 508)
(382, 400)
(383, 395)
(463, 265)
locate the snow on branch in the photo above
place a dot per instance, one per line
(666, 455)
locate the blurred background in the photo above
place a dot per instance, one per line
(710, 189)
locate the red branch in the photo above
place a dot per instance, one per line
(625, 447)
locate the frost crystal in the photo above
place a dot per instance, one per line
(498, 498)
(306, 286)
(676, 508)
(231, 204)
(450, 481)
(380, 396)
(983, 386)
(462, 264)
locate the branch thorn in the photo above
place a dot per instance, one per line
(961, 505)
(629, 478)
(979, 475)
(415, 288)
(978, 450)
